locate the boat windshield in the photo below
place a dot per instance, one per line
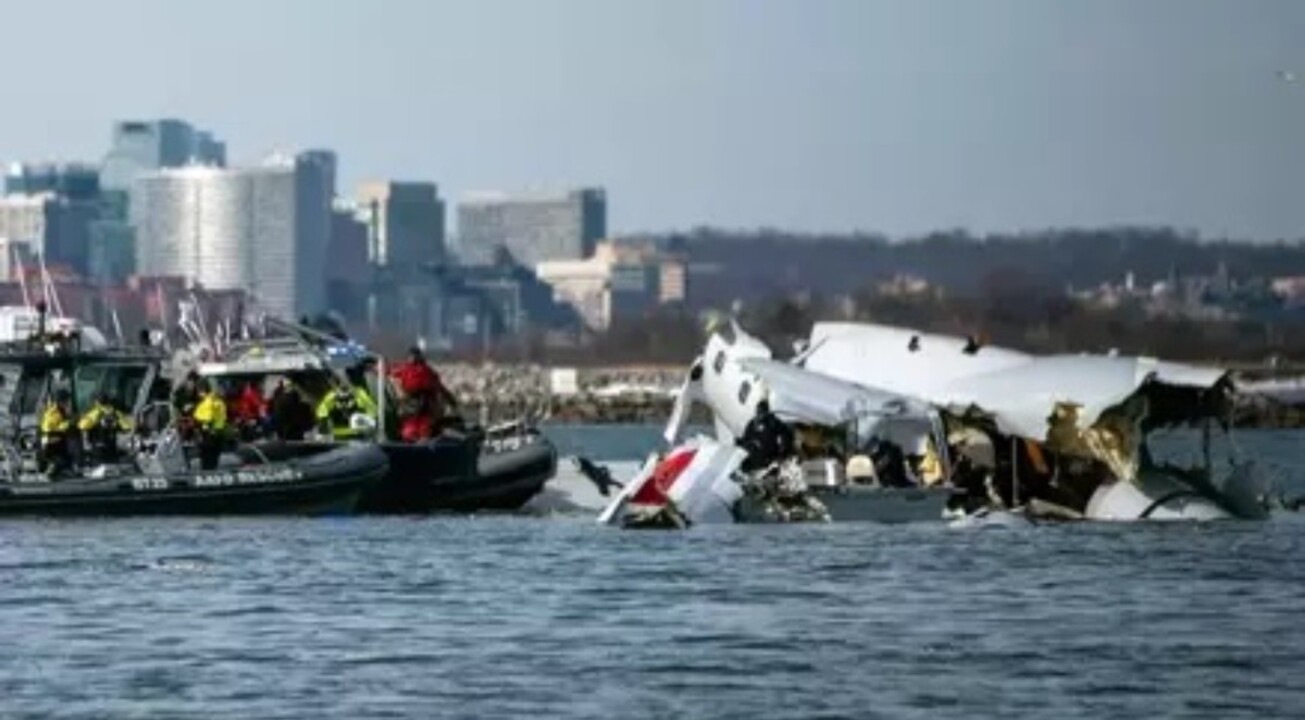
(27, 398)
(121, 382)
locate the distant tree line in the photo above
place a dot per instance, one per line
(1006, 289)
(733, 265)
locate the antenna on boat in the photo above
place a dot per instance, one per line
(307, 332)
(22, 275)
(47, 285)
(199, 320)
(117, 325)
(163, 317)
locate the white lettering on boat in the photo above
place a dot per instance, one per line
(248, 477)
(149, 483)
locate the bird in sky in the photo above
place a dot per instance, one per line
(1287, 76)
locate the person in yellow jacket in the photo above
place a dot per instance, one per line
(210, 417)
(336, 410)
(55, 454)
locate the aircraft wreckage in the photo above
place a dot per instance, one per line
(878, 423)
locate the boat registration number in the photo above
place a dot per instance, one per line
(248, 477)
(149, 483)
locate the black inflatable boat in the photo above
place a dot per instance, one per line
(452, 473)
(323, 483)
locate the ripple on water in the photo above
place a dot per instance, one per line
(509, 617)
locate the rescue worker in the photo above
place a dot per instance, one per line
(55, 455)
(210, 418)
(185, 398)
(291, 416)
(100, 427)
(926, 463)
(336, 410)
(427, 402)
(248, 410)
(890, 464)
(767, 439)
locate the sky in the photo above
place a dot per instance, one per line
(892, 116)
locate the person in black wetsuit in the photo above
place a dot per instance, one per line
(767, 439)
(292, 417)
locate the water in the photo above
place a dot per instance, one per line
(493, 617)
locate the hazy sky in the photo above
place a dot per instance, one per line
(896, 116)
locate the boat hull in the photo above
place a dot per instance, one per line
(445, 474)
(865, 503)
(328, 483)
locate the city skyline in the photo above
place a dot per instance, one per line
(886, 117)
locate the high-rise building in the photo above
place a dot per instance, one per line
(263, 229)
(347, 271)
(405, 224)
(75, 181)
(139, 146)
(14, 256)
(142, 146)
(55, 227)
(531, 227)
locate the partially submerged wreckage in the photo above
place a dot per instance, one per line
(892, 425)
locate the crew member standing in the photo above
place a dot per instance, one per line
(427, 401)
(336, 410)
(211, 421)
(185, 398)
(767, 439)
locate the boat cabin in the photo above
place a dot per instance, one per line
(30, 374)
(310, 369)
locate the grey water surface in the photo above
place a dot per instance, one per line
(505, 616)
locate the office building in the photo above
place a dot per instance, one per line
(14, 256)
(263, 230)
(53, 226)
(75, 181)
(531, 228)
(348, 274)
(145, 146)
(604, 289)
(405, 224)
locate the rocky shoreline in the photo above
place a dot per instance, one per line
(645, 395)
(600, 396)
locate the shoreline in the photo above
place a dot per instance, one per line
(645, 395)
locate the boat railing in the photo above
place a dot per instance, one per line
(12, 461)
(160, 447)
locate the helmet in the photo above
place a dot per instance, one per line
(860, 468)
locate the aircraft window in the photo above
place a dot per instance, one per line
(719, 362)
(744, 391)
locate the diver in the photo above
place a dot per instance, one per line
(336, 410)
(100, 427)
(210, 416)
(766, 439)
(55, 453)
